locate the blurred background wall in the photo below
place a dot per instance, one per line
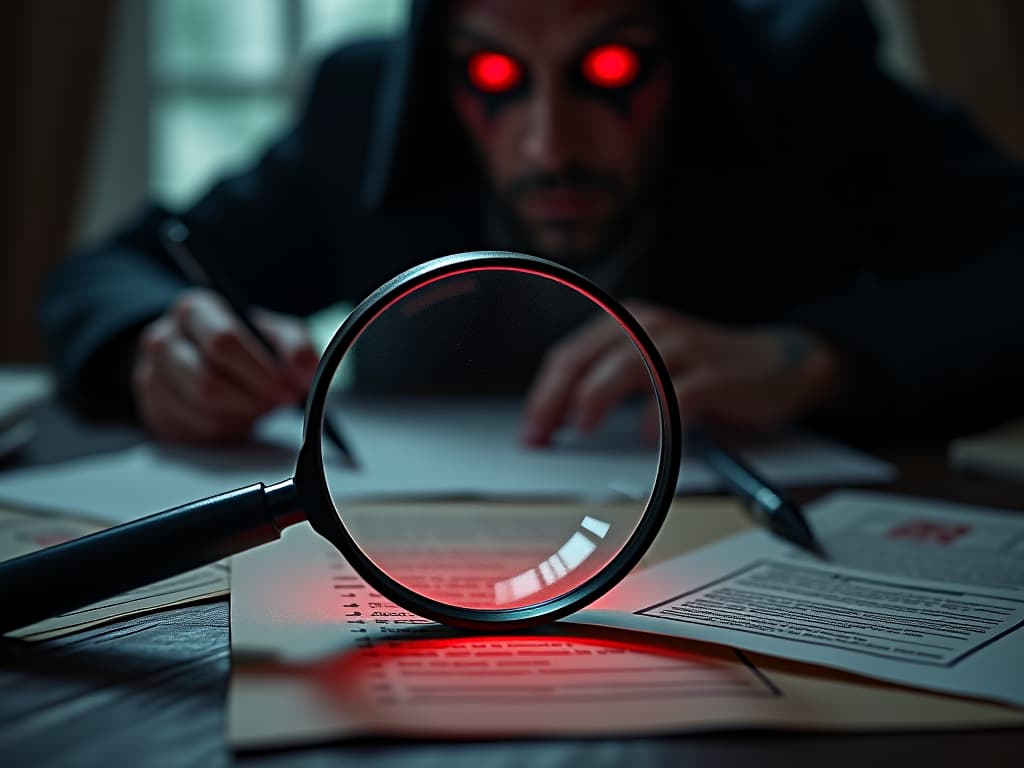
(112, 101)
(51, 61)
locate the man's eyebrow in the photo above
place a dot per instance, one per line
(469, 32)
(628, 20)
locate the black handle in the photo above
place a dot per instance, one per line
(76, 573)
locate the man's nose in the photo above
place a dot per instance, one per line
(552, 135)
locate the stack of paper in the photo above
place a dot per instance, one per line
(22, 532)
(317, 654)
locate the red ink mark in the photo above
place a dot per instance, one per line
(52, 537)
(929, 531)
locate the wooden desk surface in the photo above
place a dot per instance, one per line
(150, 691)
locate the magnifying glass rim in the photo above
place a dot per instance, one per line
(311, 480)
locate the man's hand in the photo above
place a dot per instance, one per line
(755, 378)
(200, 376)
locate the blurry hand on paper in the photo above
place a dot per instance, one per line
(199, 375)
(743, 377)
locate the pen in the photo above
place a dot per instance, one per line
(178, 242)
(766, 504)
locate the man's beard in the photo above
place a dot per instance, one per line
(580, 242)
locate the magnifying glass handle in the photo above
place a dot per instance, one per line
(76, 573)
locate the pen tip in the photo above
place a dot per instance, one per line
(791, 524)
(814, 547)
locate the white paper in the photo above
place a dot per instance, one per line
(755, 592)
(922, 538)
(124, 485)
(318, 654)
(450, 449)
(403, 452)
(20, 388)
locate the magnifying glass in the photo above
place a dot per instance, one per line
(429, 376)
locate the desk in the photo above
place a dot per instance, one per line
(150, 691)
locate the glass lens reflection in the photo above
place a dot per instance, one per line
(433, 403)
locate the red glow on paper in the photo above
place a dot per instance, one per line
(411, 651)
(494, 72)
(611, 66)
(929, 531)
(50, 538)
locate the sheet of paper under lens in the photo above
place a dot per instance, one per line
(318, 655)
(22, 532)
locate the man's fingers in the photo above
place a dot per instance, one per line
(228, 345)
(720, 396)
(168, 415)
(695, 391)
(553, 388)
(290, 337)
(202, 375)
(588, 374)
(181, 395)
(621, 372)
(617, 374)
(205, 388)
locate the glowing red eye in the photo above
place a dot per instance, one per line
(494, 72)
(611, 66)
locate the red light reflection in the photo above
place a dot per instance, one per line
(611, 66)
(494, 72)
(505, 684)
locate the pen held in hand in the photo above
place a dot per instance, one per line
(769, 506)
(177, 243)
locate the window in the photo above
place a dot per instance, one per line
(225, 76)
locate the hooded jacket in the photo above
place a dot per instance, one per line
(809, 187)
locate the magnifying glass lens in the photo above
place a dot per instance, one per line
(484, 509)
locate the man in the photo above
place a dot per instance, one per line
(802, 236)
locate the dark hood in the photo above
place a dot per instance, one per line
(748, 54)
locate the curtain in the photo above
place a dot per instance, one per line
(51, 60)
(971, 51)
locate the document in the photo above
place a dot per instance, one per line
(921, 537)
(866, 610)
(124, 485)
(318, 655)
(22, 532)
(21, 387)
(996, 452)
(441, 451)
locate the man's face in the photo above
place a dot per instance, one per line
(567, 104)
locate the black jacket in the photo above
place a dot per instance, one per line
(817, 190)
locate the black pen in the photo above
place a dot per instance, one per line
(178, 243)
(769, 506)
